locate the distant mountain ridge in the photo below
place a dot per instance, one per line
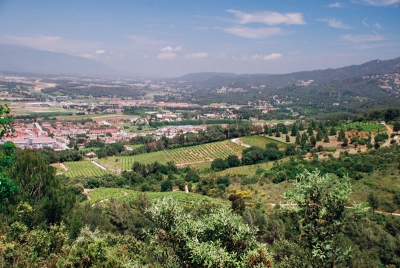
(319, 76)
(29, 60)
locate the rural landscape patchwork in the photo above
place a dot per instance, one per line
(204, 164)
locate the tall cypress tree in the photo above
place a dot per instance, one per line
(294, 130)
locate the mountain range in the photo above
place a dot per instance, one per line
(29, 60)
(319, 76)
(20, 59)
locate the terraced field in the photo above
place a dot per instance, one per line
(83, 169)
(181, 156)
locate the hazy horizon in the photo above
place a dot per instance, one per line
(166, 39)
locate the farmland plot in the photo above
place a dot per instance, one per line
(180, 156)
(83, 169)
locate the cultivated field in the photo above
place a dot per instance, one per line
(83, 169)
(262, 141)
(181, 156)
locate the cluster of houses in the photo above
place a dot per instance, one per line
(56, 135)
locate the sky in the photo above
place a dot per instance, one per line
(173, 38)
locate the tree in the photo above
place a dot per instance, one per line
(192, 176)
(5, 119)
(219, 164)
(313, 141)
(342, 135)
(294, 130)
(332, 131)
(219, 238)
(277, 133)
(287, 138)
(310, 130)
(298, 138)
(373, 201)
(319, 135)
(233, 161)
(320, 210)
(39, 187)
(166, 186)
(345, 142)
(326, 139)
(396, 126)
(238, 204)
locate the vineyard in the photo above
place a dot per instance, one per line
(180, 156)
(204, 153)
(83, 169)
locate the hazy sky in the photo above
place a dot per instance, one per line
(169, 38)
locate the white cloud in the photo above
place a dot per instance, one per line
(272, 56)
(166, 56)
(337, 4)
(381, 2)
(359, 38)
(377, 25)
(267, 17)
(334, 23)
(255, 33)
(142, 40)
(100, 51)
(170, 49)
(196, 55)
(168, 52)
(365, 22)
(88, 56)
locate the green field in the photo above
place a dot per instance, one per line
(119, 194)
(262, 141)
(181, 156)
(361, 126)
(83, 169)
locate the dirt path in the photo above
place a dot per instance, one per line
(390, 132)
(191, 163)
(239, 142)
(99, 165)
(86, 192)
(64, 166)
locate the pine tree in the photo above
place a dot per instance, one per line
(287, 138)
(319, 135)
(342, 135)
(332, 131)
(313, 124)
(313, 141)
(298, 138)
(310, 130)
(277, 133)
(294, 130)
(326, 139)
(301, 126)
(284, 130)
